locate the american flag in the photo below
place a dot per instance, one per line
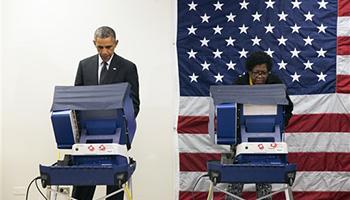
(309, 41)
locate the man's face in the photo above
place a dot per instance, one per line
(105, 47)
(259, 74)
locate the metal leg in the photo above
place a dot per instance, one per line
(287, 190)
(130, 185)
(211, 191)
(127, 191)
(288, 193)
(48, 192)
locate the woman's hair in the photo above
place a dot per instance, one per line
(258, 58)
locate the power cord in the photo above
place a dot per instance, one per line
(197, 181)
(30, 184)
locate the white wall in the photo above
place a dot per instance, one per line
(43, 41)
(1, 175)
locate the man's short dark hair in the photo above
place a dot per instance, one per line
(104, 32)
(258, 58)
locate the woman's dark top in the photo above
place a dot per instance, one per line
(271, 79)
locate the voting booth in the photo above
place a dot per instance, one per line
(250, 119)
(96, 125)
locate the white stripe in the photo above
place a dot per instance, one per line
(199, 143)
(194, 106)
(303, 104)
(322, 181)
(321, 103)
(297, 142)
(188, 182)
(318, 142)
(343, 64)
(343, 26)
(305, 181)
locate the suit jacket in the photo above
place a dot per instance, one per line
(271, 79)
(119, 70)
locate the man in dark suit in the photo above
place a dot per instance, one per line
(106, 67)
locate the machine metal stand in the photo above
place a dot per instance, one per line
(287, 191)
(252, 123)
(96, 126)
(53, 193)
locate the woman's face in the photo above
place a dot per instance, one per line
(259, 74)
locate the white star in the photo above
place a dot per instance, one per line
(192, 6)
(322, 28)
(192, 54)
(269, 52)
(256, 16)
(282, 16)
(205, 66)
(193, 77)
(308, 16)
(295, 28)
(244, 5)
(308, 65)
(205, 18)
(269, 28)
(295, 77)
(308, 41)
(218, 78)
(217, 29)
(230, 41)
(243, 53)
(217, 53)
(296, 4)
(321, 77)
(230, 17)
(282, 40)
(218, 6)
(322, 4)
(321, 53)
(204, 42)
(269, 4)
(282, 65)
(192, 30)
(231, 65)
(243, 29)
(295, 53)
(256, 41)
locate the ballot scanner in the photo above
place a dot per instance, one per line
(249, 119)
(96, 125)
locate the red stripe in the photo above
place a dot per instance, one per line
(196, 161)
(185, 195)
(320, 161)
(193, 124)
(343, 45)
(319, 123)
(198, 195)
(298, 123)
(193, 162)
(343, 8)
(343, 83)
